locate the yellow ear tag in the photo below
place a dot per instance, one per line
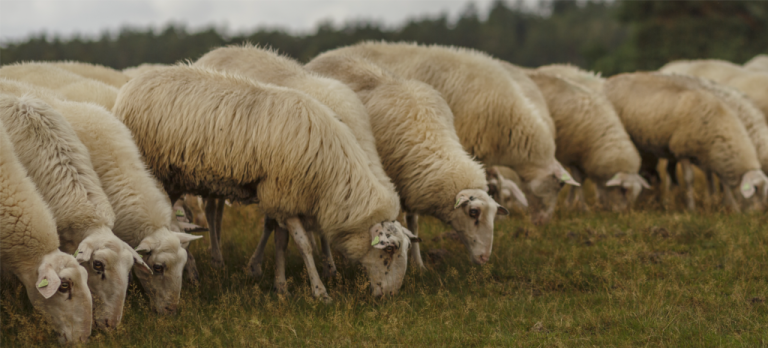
(565, 177)
(745, 187)
(76, 252)
(179, 212)
(457, 203)
(375, 241)
(43, 283)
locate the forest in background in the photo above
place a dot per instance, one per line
(606, 36)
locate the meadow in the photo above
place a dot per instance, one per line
(648, 277)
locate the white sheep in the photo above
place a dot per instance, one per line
(420, 151)
(70, 85)
(494, 120)
(141, 214)
(29, 248)
(96, 72)
(268, 66)
(592, 141)
(221, 135)
(671, 117)
(753, 119)
(758, 63)
(60, 166)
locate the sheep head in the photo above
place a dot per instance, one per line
(387, 259)
(622, 190)
(541, 185)
(108, 261)
(164, 252)
(472, 218)
(61, 294)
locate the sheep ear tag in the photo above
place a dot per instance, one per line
(375, 241)
(43, 283)
(747, 190)
(179, 213)
(458, 201)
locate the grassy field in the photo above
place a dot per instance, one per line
(644, 278)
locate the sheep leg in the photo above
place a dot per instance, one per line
(690, 199)
(254, 265)
(281, 244)
(666, 181)
(301, 238)
(219, 217)
(329, 271)
(191, 269)
(211, 209)
(412, 220)
(730, 201)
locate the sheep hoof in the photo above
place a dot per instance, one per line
(254, 271)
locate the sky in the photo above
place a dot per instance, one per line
(22, 18)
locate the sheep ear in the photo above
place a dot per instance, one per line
(48, 281)
(144, 247)
(83, 252)
(461, 199)
(642, 181)
(190, 227)
(408, 233)
(614, 181)
(501, 210)
(564, 176)
(138, 260)
(186, 238)
(517, 193)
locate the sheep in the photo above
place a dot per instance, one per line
(420, 151)
(531, 91)
(221, 135)
(142, 217)
(29, 248)
(592, 141)
(752, 83)
(141, 68)
(757, 63)
(753, 119)
(671, 117)
(59, 165)
(142, 211)
(588, 79)
(493, 119)
(267, 66)
(70, 85)
(96, 72)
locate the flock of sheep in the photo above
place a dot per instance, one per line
(92, 159)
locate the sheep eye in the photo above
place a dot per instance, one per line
(65, 286)
(474, 213)
(98, 265)
(158, 268)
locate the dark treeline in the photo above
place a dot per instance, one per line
(606, 36)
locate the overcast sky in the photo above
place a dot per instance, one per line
(21, 18)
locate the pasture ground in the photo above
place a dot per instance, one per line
(643, 278)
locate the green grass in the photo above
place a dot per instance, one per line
(645, 278)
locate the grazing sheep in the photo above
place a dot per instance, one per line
(420, 151)
(670, 117)
(141, 68)
(142, 211)
(588, 79)
(96, 72)
(753, 119)
(141, 214)
(69, 85)
(592, 141)
(758, 63)
(59, 165)
(752, 83)
(531, 91)
(267, 66)
(29, 248)
(223, 136)
(492, 117)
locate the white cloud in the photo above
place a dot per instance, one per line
(20, 18)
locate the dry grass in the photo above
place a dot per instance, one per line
(645, 278)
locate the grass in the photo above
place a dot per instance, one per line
(643, 278)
